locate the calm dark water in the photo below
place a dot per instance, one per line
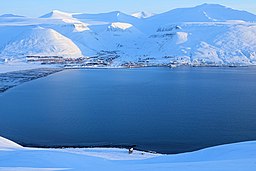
(159, 109)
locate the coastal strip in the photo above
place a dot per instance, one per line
(15, 78)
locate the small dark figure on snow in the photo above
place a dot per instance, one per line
(130, 150)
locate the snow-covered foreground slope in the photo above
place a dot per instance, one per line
(239, 157)
(6, 144)
(203, 35)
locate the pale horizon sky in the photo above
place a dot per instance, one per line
(35, 8)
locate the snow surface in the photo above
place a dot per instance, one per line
(208, 35)
(143, 14)
(41, 42)
(6, 144)
(239, 157)
(119, 25)
(56, 14)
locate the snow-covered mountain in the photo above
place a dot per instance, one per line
(59, 15)
(203, 13)
(115, 16)
(10, 15)
(41, 42)
(207, 34)
(56, 14)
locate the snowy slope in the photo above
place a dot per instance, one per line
(41, 42)
(208, 43)
(143, 14)
(6, 144)
(239, 157)
(203, 13)
(56, 14)
(110, 17)
(207, 34)
(59, 15)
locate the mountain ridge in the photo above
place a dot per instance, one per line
(208, 34)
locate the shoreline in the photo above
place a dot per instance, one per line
(237, 156)
(14, 78)
(125, 147)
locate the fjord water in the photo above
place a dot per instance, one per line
(158, 109)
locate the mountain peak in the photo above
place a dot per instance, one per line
(204, 13)
(115, 13)
(210, 5)
(10, 15)
(110, 17)
(56, 14)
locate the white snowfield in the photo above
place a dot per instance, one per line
(41, 42)
(232, 157)
(143, 14)
(208, 34)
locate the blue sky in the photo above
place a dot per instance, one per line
(38, 7)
